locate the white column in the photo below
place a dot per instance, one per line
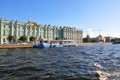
(38, 31)
(1, 32)
(25, 30)
(35, 31)
(12, 29)
(17, 30)
(30, 31)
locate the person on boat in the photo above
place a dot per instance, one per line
(60, 43)
(52, 44)
(41, 43)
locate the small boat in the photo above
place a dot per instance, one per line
(116, 42)
(56, 44)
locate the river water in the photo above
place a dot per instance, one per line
(101, 62)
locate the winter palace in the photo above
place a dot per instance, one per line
(45, 32)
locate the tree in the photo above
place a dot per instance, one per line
(65, 38)
(23, 38)
(57, 38)
(10, 38)
(32, 38)
(86, 39)
(112, 40)
(93, 40)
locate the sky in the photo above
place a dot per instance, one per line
(94, 17)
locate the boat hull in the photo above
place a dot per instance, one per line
(47, 46)
(116, 42)
(53, 46)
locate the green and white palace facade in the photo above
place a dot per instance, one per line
(45, 32)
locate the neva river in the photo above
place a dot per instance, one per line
(82, 63)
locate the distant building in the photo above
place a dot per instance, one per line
(45, 32)
(100, 38)
(109, 39)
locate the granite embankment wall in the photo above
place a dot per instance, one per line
(3, 46)
(92, 44)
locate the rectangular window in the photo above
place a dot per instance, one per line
(4, 32)
(4, 26)
(14, 33)
(32, 33)
(3, 39)
(18, 33)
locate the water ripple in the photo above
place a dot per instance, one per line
(80, 63)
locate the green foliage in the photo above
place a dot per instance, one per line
(88, 36)
(65, 38)
(85, 40)
(112, 40)
(32, 38)
(10, 38)
(93, 40)
(57, 38)
(23, 38)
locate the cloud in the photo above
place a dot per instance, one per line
(91, 33)
(112, 34)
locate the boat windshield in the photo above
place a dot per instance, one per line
(62, 42)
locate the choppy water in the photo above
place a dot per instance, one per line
(81, 63)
